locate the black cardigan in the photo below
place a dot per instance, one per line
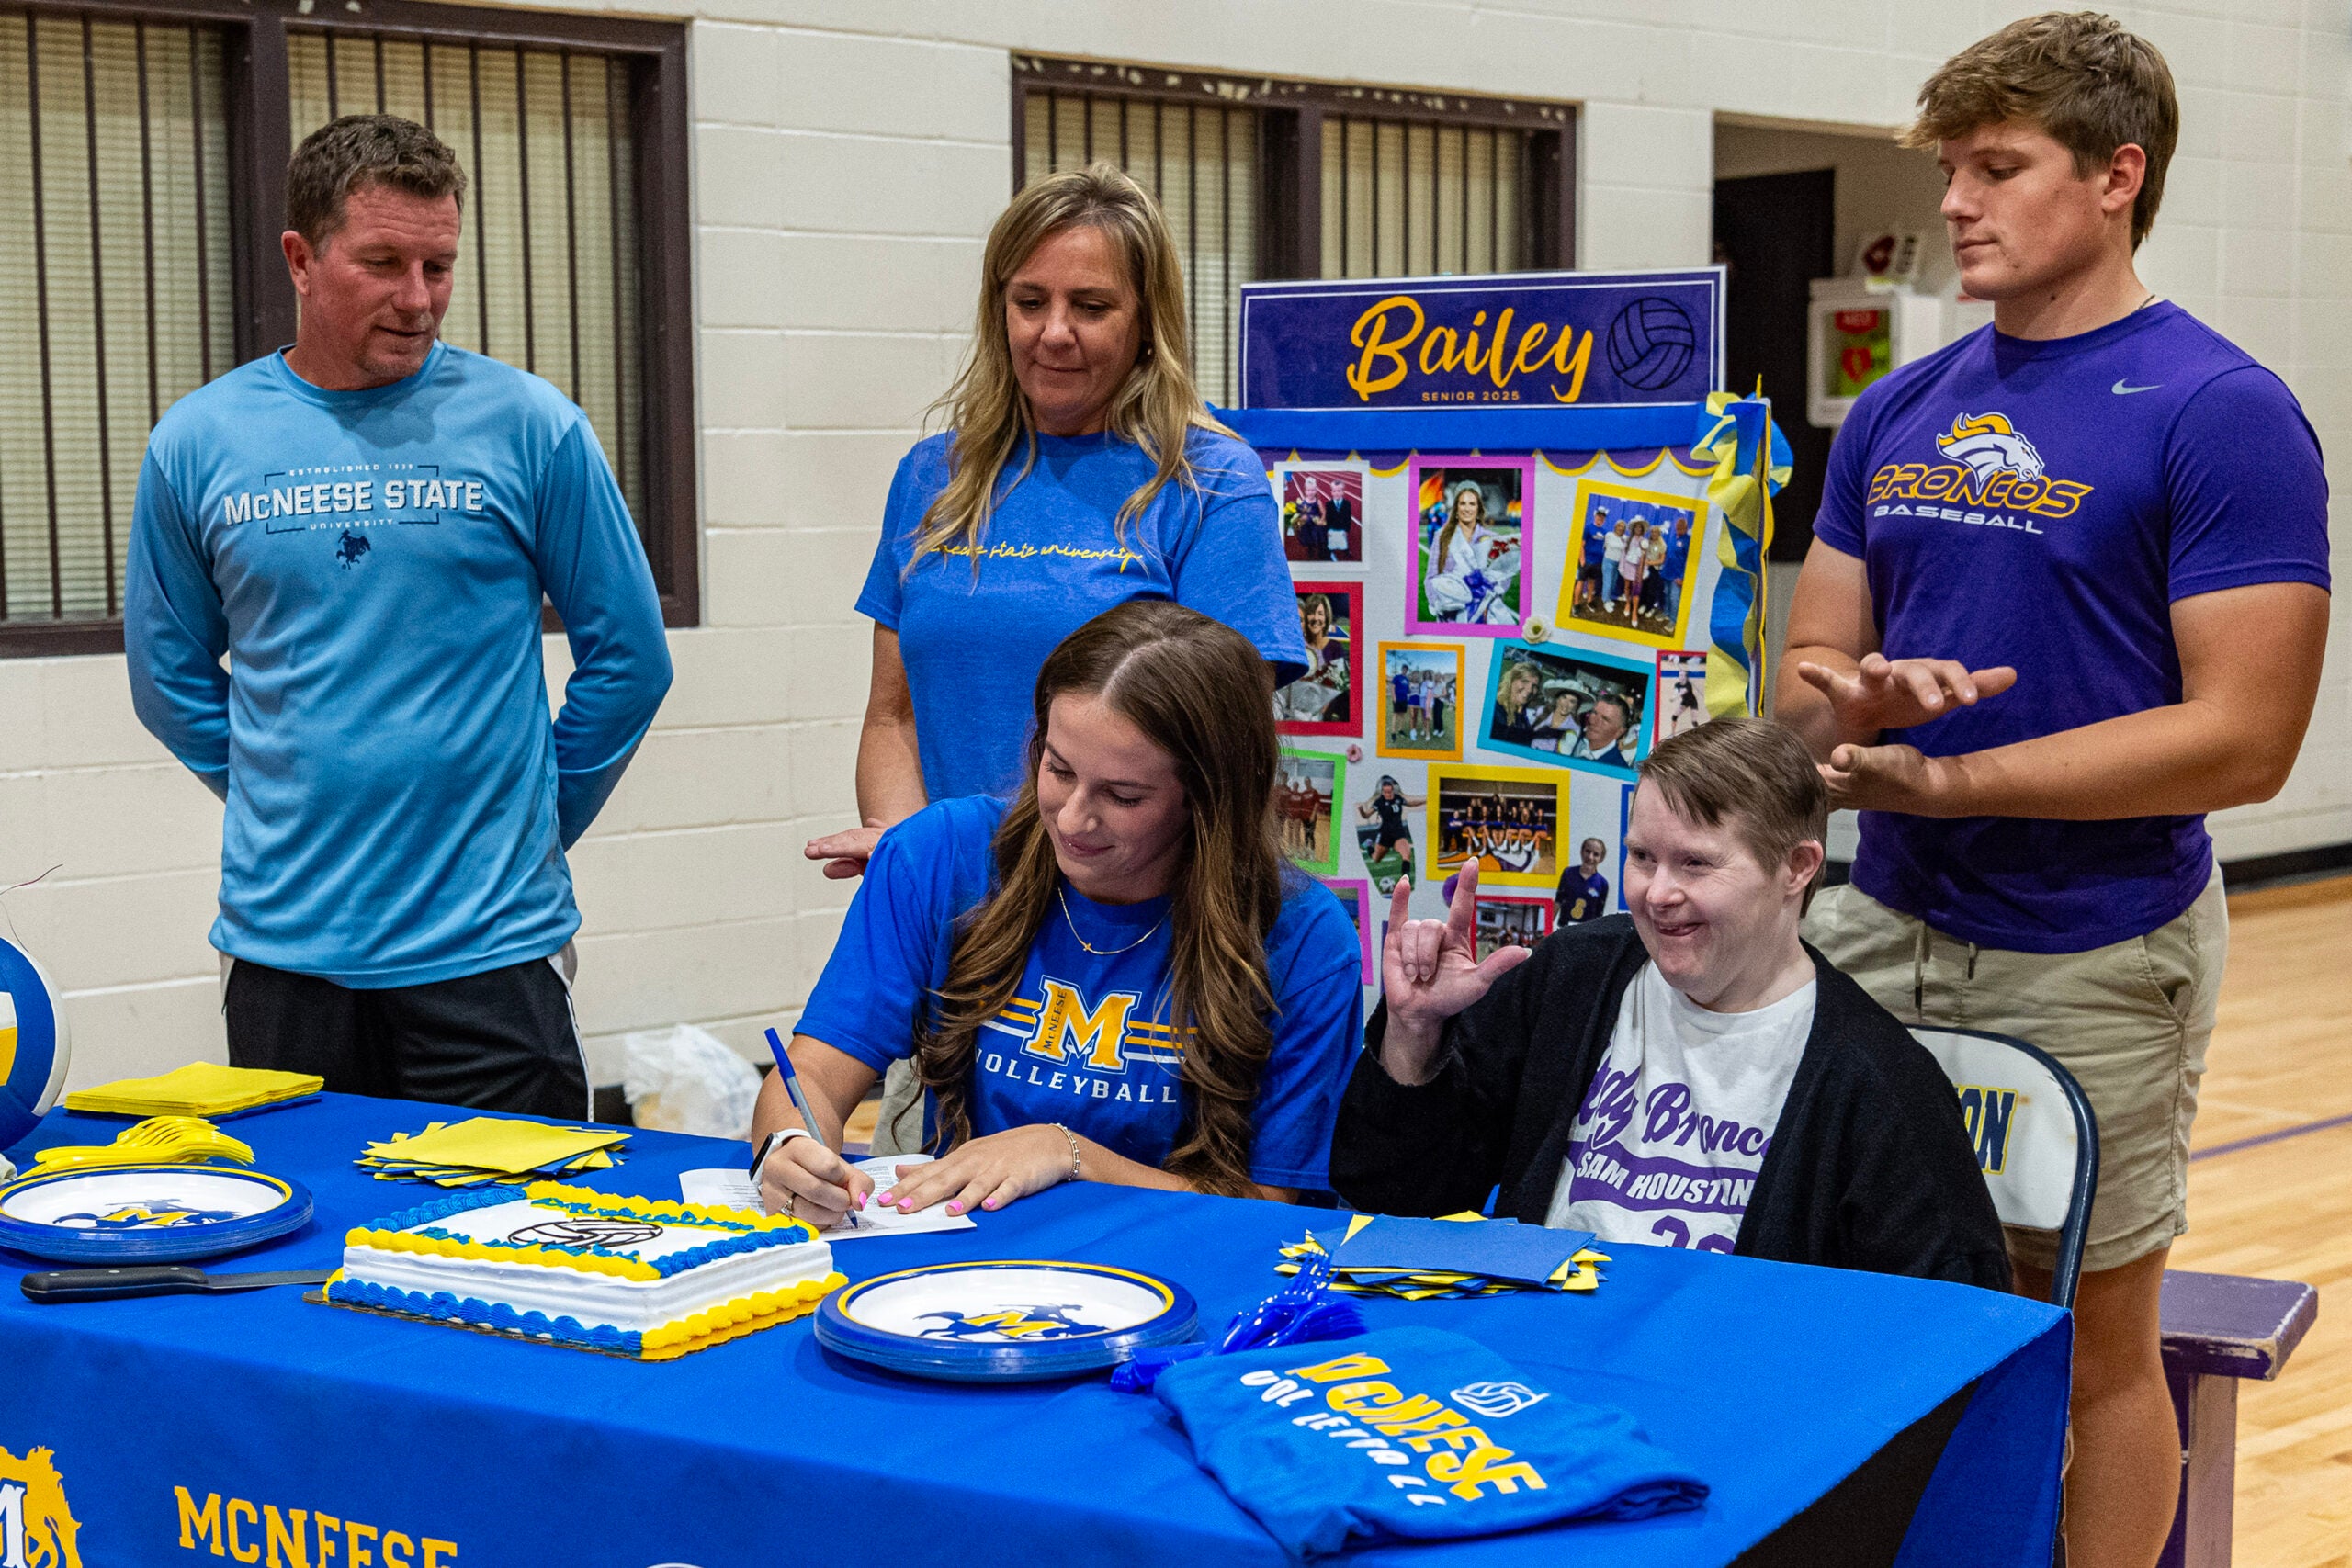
(1870, 1167)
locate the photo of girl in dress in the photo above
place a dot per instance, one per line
(1383, 836)
(1572, 708)
(1469, 529)
(1307, 794)
(1635, 563)
(1682, 702)
(1508, 820)
(1322, 514)
(1420, 700)
(1322, 701)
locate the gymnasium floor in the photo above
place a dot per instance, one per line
(2281, 1068)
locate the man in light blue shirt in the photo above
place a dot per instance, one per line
(366, 524)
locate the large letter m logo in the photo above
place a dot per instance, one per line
(1097, 1033)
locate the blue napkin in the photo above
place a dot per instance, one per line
(1529, 1255)
(1410, 1434)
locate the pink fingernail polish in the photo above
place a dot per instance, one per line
(988, 1203)
(955, 1207)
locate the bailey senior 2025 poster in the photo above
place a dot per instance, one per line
(1500, 533)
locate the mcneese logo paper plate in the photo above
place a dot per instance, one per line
(1017, 1321)
(148, 1213)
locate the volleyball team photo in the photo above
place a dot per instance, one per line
(1507, 825)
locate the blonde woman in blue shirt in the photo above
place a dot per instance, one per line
(1080, 470)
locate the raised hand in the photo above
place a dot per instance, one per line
(1430, 970)
(1882, 694)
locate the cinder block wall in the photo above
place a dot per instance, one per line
(850, 155)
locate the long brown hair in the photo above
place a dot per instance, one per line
(1454, 519)
(1158, 405)
(1196, 690)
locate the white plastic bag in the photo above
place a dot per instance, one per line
(684, 1080)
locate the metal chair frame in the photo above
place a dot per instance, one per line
(2075, 1229)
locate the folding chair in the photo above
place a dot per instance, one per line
(2034, 1135)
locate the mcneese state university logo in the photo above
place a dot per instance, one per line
(36, 1528)
(1994, 477)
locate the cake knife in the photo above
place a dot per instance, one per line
(53, 1285)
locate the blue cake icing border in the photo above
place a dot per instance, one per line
(442, 1306)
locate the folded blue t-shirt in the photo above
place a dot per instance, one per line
(1410, 1434)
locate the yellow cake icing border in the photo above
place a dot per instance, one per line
(733, 1320)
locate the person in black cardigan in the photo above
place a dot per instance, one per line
(1473, 1075)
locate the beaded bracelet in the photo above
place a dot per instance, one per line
(1066, 1132)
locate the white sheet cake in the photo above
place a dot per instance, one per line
(629, 1276)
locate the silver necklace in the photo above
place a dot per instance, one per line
(1103, 952)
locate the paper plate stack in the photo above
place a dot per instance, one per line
(200, 1088)
(1463, 1255)
(492, 1148)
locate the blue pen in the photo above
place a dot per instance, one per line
(800, 1097)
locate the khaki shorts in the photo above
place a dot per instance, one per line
(2131, 1020)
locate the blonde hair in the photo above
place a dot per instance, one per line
(2079, 77)
(1157, 407)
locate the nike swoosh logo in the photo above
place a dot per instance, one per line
(2121, 390)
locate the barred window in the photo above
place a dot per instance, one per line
(1262, 179)
(142, 168)
(117, 284)
(548, 279)
(1411, 197)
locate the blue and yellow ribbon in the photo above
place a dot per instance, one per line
(1751, 460)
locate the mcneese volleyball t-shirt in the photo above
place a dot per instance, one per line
(2043, 504)
(1086, 1039)
(973, 634)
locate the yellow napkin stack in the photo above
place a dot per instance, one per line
(491, 1148)
(200, 1088)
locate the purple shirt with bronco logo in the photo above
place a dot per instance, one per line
(2042, 504)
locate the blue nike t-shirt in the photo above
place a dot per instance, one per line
(372, 563)
(2043, 504)
(1086, 1041)
(1049, 562)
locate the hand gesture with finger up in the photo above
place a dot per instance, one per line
(1430, 970)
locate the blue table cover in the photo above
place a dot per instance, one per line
(185, 1428)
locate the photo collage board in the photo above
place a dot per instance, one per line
(1496, 639)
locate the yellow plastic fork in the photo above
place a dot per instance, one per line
(159, 1139)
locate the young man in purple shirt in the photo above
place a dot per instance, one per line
(2068, 594)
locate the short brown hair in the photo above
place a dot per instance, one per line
(1751, 772)
(358, 151)
(2080, 78)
